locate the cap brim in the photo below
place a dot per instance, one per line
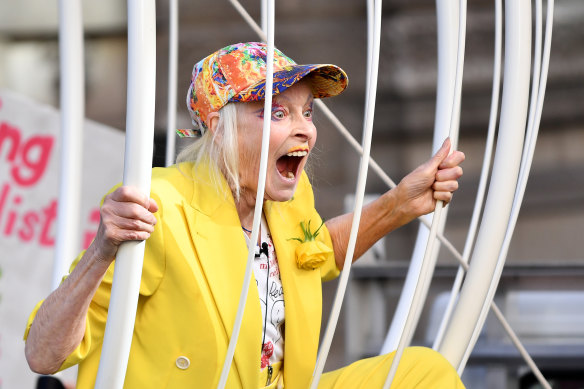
(327, 80)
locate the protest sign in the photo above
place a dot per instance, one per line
(29, 181)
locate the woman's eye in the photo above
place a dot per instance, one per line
(278, 114)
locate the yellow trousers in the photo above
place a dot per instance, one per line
(419, 367)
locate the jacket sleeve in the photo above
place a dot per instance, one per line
(152, 274)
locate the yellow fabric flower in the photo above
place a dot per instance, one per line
(311, 253)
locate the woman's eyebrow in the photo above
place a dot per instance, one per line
(275, 104)
(309, 100)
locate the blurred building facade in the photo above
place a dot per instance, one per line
(546, 252)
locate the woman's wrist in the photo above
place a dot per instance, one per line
(399, 214)
(100, 257)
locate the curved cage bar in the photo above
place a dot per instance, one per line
(359, 193)
(483, 177)
(259, 195)
(447, 14)
(503, 182)
(72, 86)
(391, 184)
(172, 80)
(429, 260)
(346, 134)
(537, 96)
(137, 173)
(506, 169)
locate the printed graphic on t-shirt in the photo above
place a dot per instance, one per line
(271, 295)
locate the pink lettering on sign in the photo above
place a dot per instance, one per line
(28, 158)
(50, 216)
(36, 225)
(28, 225)
(90, 234)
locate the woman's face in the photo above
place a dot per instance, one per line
(292, 137)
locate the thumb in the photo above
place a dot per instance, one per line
(441, 154)
(152, 206)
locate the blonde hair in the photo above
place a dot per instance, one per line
(219, 149)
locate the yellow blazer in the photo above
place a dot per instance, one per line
(191, 281)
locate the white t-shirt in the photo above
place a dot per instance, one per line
(270, 289)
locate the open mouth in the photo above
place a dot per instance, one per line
(288, 163)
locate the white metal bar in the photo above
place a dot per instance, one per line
(503, 182)
(535, 130)
(264, 15)
(359, 193)
(172, 77)
(526, 150)
(447, 15)
(353, 143)
(418, 299)
(348, 136)
(259, 195)
(534, 82)
(72, 90)
(522, 180)
(137, 173)
(248, 19)
(429, 261)
(471, 234)
(391, 184)
(370, 32)
(380, 173)
(537, 96)
(545, 60)
(526, 357)
(512, 335)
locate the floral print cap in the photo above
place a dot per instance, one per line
(238, 73)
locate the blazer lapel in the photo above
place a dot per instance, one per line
(302, 297)
(221, 250)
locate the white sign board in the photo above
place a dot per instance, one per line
(29, 180)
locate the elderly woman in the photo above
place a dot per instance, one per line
(197, 224)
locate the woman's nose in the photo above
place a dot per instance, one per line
(304, 128)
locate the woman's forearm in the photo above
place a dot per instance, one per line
(59, 324)
(378, 218)
(414, 196)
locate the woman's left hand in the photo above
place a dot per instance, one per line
(414, 196)
(434, 180)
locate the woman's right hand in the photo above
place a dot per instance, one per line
(126, 214)
(60, 323)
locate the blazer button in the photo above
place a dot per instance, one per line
(182, 362)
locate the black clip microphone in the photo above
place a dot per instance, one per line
(263, 249)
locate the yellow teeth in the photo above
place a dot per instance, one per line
(301, 153)
(290, 175)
